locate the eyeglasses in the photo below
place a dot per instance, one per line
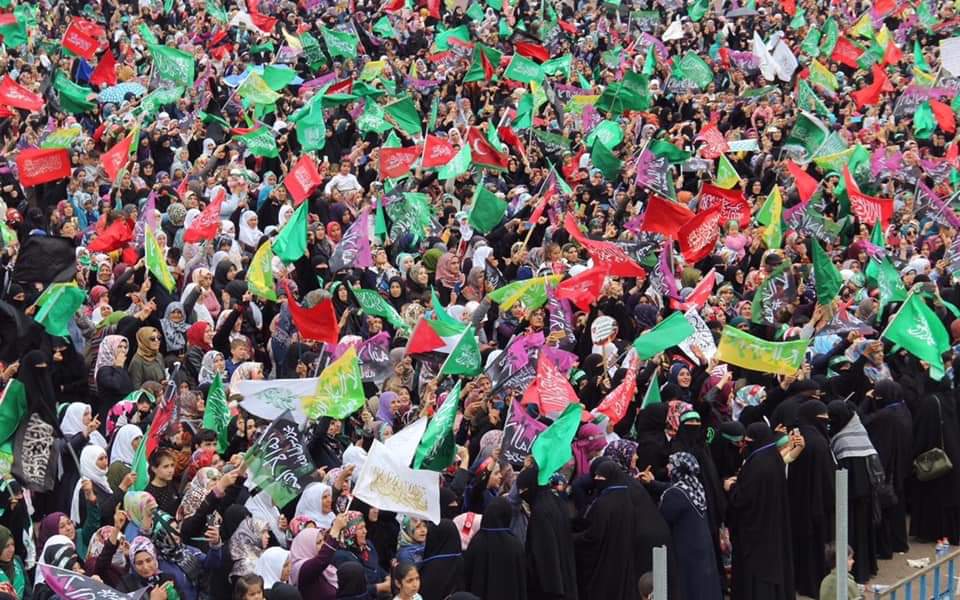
(155, 339)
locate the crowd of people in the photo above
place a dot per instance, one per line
(625, 274)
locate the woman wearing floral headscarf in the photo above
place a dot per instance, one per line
(213, 364)
(413, 536)
(107, 553)
(246, 545)
(353, 546)
(448, 276)
(175, 324)
(113, 380)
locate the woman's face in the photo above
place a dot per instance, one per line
(145, 565)
(395, 404)
(342, 294)
(87, 417)
(285, 572)
(6, 555)
(208, 336)
(536, 319)
(420, 532)
(395, 289)
(684, 378)
(206, 280)
(253, 221)
(164, 470)
(153, 342)
(102, 462)
(423, 277)
(326, 503)
(362, 534)
(406, 263)
(66, 528)
(176, 315)
(219, 363)
(255, 592)
(122, 351)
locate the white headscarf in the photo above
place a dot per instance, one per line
(270, 565)
(122, 450)
(72, 424)
(55, 540)
(261, 507)
(311, 505)
(249, 236)
(89, 470)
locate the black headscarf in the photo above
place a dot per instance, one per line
(441, 570)
(551, 563)
(840, 413)
(494, 564)
(38, 385)
(449, 503)
(808, 416)
(351, 580)
(283, 591)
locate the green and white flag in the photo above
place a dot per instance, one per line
(173, 65)
(373, 303)
(340, 44)
(260, 142)
(216, 413)
(255, 89)
(465, 358)
(693, 68)
(438, 447)
(458, 165)
(524, 70)
(157, 262)
(918, 330)
(311, 129)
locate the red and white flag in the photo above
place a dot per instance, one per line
(15, 95)
(302, 179)
(36, 166)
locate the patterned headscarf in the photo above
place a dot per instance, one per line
(246, 546)
(138, 505)
(97, 543)
(196, 491)
(683, 475)
(675, 410)
(622, 451)
(107, 354)
(354, 522)
(748, 395)
(166, 537)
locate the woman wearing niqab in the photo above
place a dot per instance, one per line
(494, 564)
(551, 564)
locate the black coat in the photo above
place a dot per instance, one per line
(551, 565)
(494, 565)
(441, 570)
(936, 504)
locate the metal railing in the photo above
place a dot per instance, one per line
(938, 581)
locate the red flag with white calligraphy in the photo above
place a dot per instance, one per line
(207, 223)
(733, 204)
(615, 405)
(606, 255)
(584, 288)
(396, 162)
(699, 236)
(436, 152)
(40, 166)
(78, 40)
(550, 391)
(302, 179)
(869, 209)
(15, 95)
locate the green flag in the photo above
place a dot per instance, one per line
(73, 97)
(405, 113)
(831, 33)
(373, 119)
(808, 100)
(260, 273)
(608, 132)
(649, 63)
(312, 130)
(260, 142)
(256, 90)
(524, 118)
(13, 409)
(58, 303)
(630, 94)
(438, 446)
(924, 123)
(918, 330)
(339, 389)
(888, 282)
(465, 358)
(695, 69)
(799, 20)
(157, 262)
(808, 134)
(216, 11)
(532, 292)
(340, 43)
(15, 34)
(919, 60)
(216, 414)
(291, 243)
(603, 159)
(827, 278)
(140, 468)
(552, 448)
(373, 303)
(487, 211)
(440, 314)
(384, 28)
(727, 175)
(696, 10)
(173, 65)
(771, 215)
(458, 165)
(278, 77)
(434, 108)
(442, 38)
(667, 333)
(560, 65)
(653, 393)
(380, 221)
(524, 70)
(661, 148)
(811, 42)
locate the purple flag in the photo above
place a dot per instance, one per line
(70, 585)
(941, 206)
(519, 432)
(518, 352)
(354, 249)
(560, 317)
(665, 266)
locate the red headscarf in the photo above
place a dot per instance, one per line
(195, 335)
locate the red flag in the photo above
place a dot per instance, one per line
(511, 139)
(483, 153)
(868, 209)
(789, 6)
(183, 188)
(882, 7)
(40, 166)
(733, 204)
(871, 94)
(846, 53)
(78, 40)
(161, 420)
(302, 179)
(114, 237)
(89, 27)
(615, 404)
(395, 162)
(550, 391)
(571, 170)
(487, 66)
(664, 217)
(953, 152)
(318, 324)
(806, 184)
(568, 27)
(531, 50)
(584, 288)
(106, 73)
(606, 255)
(716, 143)
(261, 21)
(116, 158)
(437, 151)
(699, 295)
(15, 95)
(395, 5)
(891, 54)
(207, 223)
(699, 235)
(944, 116)
(433, 7)
(8, 19)
(341, 87)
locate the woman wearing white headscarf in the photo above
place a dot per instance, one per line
(314, 504)
(250, 234)
(93, 468)
(75, 420)
(272, 565)
(124, 448)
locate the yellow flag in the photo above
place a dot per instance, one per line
(292, 41)
(372, 69)
(339, 389)
(260, 274)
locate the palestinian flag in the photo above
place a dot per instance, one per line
(432, 338)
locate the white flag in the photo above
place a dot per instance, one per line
(701, 337)
(268, 398)
(387, 484)
(674, 32)
(403, 445)
(768, 68)
(786, 62)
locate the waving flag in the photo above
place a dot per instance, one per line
(302, 179)
(339, 389)
(260, 280)
(353, 250)
(207, 224)
(700, 234)
(551, 392)
(438, 446)
(15, 95)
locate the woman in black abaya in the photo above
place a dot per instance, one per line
(606, 547)
(935, 504)
(810, 481)
(891, 430)
(494, 565)
(759, 520)
(551, 565)
(652, 444)
(852, 448)
(441, 570)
